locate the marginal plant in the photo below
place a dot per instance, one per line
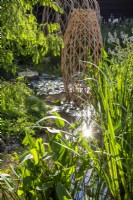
(117, 35)
(112, 95)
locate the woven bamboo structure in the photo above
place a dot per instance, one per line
(81, 33)
(49, 15)
(82, 36)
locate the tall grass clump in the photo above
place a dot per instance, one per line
(112, 93)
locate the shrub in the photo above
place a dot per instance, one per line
(20, 109)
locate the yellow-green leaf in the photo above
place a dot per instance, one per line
(20, 192)
(35, 155)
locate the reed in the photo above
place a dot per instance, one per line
(112, 99)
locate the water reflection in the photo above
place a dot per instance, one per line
(87, 131)
(87, 124)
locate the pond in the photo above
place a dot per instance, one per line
(51, 89)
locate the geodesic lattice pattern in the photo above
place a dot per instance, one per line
(49, 15)
(82, 42)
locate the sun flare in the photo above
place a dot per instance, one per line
(87, 131)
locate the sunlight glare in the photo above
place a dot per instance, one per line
(87, 131)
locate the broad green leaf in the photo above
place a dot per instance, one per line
(40, 146)
(35, 155)
(62, 192)
(104, 53)
(20, 192)
(59, 122)
(28, 140)
(67, 147)
(45, 186)
(47, 156)
(26, 173)
(27, 181)
(25, 156)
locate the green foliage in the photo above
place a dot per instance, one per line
(113, 97)
(117, 34)
(63, 167)
(59, 122)
(56, 169)
(20, 109)
(62, 193)
(22, 36)
(41, 174)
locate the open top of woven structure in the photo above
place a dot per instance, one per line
(49, 15)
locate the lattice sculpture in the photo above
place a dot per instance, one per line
(49, 15)
(82, 36)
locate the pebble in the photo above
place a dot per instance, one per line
(48, 84)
